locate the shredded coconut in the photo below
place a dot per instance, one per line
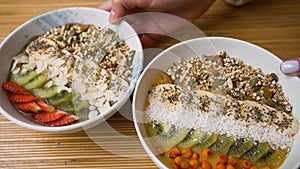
(190, 115)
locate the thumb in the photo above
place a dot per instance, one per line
(119, 9)
(291, 67)
(105, 6)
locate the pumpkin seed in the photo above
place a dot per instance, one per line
(77, 41)
(280, 108)
(71, 34)
(274, 77)
(71, 50)
(235, 79)
(253, 82)
(256, 88)
(271, 103)
(59, 38)
(194, 84)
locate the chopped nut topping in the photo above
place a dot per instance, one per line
(222, 74)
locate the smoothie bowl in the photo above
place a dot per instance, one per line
(68, 70)
(216, 103)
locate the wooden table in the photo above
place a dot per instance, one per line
(273, 25)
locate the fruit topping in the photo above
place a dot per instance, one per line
(65, 120)
(22, 98)
(14, 88)
(29, 107)
(46, 117)
(44, 106)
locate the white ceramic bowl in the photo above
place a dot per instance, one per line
(15, 41)
(249, 53)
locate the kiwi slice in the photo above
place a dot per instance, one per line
(37, 82)
(75, 106)
(23, 77)
(61, 98)
(240, 147)
(81, 104)
(193, 138)
(222, 145)
(167, 135)
(274, 158)
(67, 107)
(83, 114)
(257, 151)
(206, 142)
(45, 93)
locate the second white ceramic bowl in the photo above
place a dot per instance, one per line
(247, 52)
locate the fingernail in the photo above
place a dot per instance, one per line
(112, 16)
(289, 66)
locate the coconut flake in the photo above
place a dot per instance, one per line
(93, 114)
(16, 71)
(58, 62)
(79, 87)
(104, 107)
(14, 65)
(22, 58)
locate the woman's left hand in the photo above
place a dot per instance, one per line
(291, 67)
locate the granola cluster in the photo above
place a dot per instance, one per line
(226, 75)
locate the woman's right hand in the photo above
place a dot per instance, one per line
(189, 10)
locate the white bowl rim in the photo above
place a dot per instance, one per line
(80, 125)
(153, 157)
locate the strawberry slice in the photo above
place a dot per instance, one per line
(46, 117)
(22, 98)
(14, 88)
(44, 106)
(29, 107)
(65, 120)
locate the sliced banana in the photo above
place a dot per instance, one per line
(210, 104)
(212, 112)
(171, 104)
(253, 113)
(231, 106)
(265, 116)
(41, 46)
(171, 96)
(118, 87)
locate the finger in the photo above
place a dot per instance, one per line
(146, 41)
(149, 39)
(161, 24)
(237, 2)
(291, 67)
(120, 8)
(106, 6)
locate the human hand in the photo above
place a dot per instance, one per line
(237, 2)
(188, 10)
(291, 67)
